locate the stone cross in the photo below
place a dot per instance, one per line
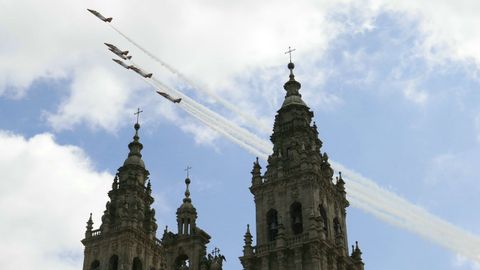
(138, 113)
(188, 171)
(290, 50)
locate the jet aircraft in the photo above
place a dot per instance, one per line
(167, 96)
(115, 49)
(124, 57)
(100, 16)
(121, 63)
(141, 72)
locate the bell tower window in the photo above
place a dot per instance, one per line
(296, 217)
(272, 224)
(137, 264)
(113, 264)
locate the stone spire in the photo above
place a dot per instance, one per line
(295, 138)
(247, 248)
(88, 233)
(135, 155)
(187, 192)
(186, 213)
(256, 173)
(357, 256)
(292, 87)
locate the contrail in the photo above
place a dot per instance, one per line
(367, 195)
(240, 134)
(207, 120)
(362, 192)
(232, 107)
(235, 130)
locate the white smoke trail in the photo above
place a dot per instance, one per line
(193, 85)
(235, 130)
(193, 111)
(367, 195)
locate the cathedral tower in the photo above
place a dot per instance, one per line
(187, 249)
(126, 238)
(300, 210)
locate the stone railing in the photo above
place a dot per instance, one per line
(297, 239)
(96, 233)
(265, 248)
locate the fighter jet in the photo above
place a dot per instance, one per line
(121, 63)
(115, 49)
(141, 72)
(100, 16)
(124, 57)
(167, 96)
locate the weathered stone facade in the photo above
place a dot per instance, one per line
(300, 211)
(127, 239)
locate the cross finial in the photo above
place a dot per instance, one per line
(216, 252)
(188, 171)
(138, 113)
(290, 50)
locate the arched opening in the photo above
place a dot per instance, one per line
(95, 265)
(323, 213)
(272, 224)
(182, 227)
(137, 264)
(296, 217)
(182, 262)
(113, 263)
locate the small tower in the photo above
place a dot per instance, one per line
(300, 211)
(126, 238)
(187, 249)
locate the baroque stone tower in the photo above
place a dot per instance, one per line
(300, 211)
(126, 239)
(187, 249)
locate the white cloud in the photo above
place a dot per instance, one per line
(46, 193)
(210, 42)
(448, 27)
(86, 104)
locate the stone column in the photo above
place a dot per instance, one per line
(315, 254)
(298, 258)
(265, 263)
(281, 257)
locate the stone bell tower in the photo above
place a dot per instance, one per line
(126, 238)
(300, 210)
(187, 249)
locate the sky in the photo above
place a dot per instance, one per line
(394, 86)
